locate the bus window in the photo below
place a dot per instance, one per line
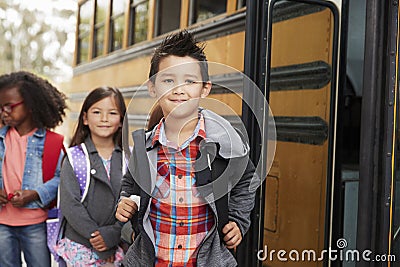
(117, 25)
(168, 14)
(241, 3)
(99, 27)
(302, 100)
(85, 15)
(138, 22)
(202, 9)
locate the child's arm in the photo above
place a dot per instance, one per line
(3, 197)
(42, 194)
(241, 203)
(48, 191)
(21, 198)
(129, 197)
(232, 233)
(126, 208)
(106, 237)
(70, 203)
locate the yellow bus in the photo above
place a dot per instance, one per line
(328, 69)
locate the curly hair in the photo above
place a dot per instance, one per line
(46, 103)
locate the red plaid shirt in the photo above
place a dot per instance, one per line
(179, 216)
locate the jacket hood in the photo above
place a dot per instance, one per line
(232, 143)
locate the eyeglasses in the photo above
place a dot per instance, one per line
(9, 108)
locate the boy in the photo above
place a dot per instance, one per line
(198, 164)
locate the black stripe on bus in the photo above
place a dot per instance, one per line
(285, 10)
(305, 130)
(312, 75)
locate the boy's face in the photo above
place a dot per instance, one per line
(179, 86)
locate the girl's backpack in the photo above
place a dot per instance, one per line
(79, 159)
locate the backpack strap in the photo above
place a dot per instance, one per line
(79, 159)
(125, 160)
(53, 144)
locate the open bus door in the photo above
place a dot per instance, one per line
(329, 71)
(296, 44)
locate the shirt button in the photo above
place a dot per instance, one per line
(181, 199)
(180, 246)
(180, 176)
(181, 224)
(93, 171)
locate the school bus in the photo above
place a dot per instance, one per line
(328, 69)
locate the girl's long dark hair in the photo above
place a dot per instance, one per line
(156, 115)
(82, 131)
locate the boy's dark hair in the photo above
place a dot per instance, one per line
(179, 44)
(82, 131)
(40, 96)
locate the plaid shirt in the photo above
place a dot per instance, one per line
(179, 216)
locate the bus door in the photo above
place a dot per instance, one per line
(292, 54)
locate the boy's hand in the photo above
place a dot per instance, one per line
(3, 197)
(125, 210)
(97, 241)
(232, 233)
(23, 197)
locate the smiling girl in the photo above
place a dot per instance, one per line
(92, 233)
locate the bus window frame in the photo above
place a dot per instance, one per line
(158, 17)
(82, 35)
(97, 27)
(132, 16)
(192, 13)
(113, 19)
(240, 4)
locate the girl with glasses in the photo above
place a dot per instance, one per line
(29, 106)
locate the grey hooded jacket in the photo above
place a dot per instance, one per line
(97, 212)
(229, 173)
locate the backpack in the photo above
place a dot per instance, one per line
(53, 144)
(79, 160)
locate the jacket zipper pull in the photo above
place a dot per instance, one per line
(209, 161)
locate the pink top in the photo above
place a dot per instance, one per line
(13, 170)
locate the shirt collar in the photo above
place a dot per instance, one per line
(38, 132)
(91, 148)
(159, 135)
